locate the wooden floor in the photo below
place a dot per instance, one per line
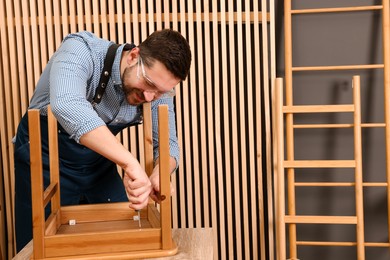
(193, 243)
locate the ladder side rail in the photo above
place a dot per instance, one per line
(289, 127)
(386, 73)
(358, 169)
(279, 173)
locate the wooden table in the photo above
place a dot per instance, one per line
(193, 243)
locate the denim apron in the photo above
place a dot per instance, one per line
(85, 176)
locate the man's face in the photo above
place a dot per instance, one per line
(144, 84)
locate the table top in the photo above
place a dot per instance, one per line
(193, 243)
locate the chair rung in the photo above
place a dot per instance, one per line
(320, 219)
(318, 108)
(319, 164)
(49, 192)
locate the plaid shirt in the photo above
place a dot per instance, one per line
(69, 82)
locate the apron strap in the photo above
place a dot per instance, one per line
(106, 73)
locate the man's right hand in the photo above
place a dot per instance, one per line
(138, 187)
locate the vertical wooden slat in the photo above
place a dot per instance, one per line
(88, 14)
(193, 108)
(201, 164)
(220, 223)
(120, 22)
(30, 77)
(13, 66)
(42, 34)
(226, 132)
(35, 41)
(81, 18)
(64, 18)
(112, 27)
(270, 183)
(236, 204)
(386, 75)
(130, 23)
(210, 126)
(279, 172)
(72, 17)
(6, 129)
(167, 14)
(96, 17)
(57, 23)
(180, 111)
(243, 208)
(174, 177)
(158, 15)
(187, 141)
(142, 36)
(103, 19)
(23, 95)
(252, 223)
(150, 12)
(357, 127)
(51, 47)
(258, 122)
(132, 30)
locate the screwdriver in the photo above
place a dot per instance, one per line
(139, 217)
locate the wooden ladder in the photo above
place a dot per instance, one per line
(290, 164)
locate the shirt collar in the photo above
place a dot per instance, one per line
(116, 72)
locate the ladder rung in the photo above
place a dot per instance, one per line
(324, 184)
(339, 184)
(325, 243)
(320, 219)
(318, 108)
(335, 243)
(338, 9)
(307, 126)
(343, 67)
(319, 164)
(375, 184)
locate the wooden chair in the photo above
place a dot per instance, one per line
(103, 231)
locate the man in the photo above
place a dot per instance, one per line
(90, 116)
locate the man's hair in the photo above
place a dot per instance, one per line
(170, 48)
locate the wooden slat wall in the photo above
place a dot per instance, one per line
(222, 109)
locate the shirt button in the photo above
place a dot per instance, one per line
(116, 120)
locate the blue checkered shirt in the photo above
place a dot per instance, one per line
(70, 79)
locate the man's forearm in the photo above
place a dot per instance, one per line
(102, 141)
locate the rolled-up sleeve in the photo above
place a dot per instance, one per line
(72, 68)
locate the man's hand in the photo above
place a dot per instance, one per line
(138, 187)
(155, 180)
